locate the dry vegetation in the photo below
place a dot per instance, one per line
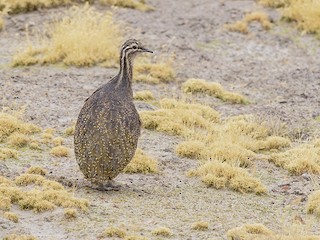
(153, 73)
(222, 175)
(134, 4)
(17, 6)
(1, 21)
(114, 232)
(313, 204)
(60, 151)
(37, 170)
(70, 130)
(242, 26)
(235, 141)
(162, 231)
(259, 231)
(141, 163)
(19, 237)
(306, 13)
(83, 37)
(70, 213)
(213, 89)
(15, 133)
(143, 95)
(35, 192)
(300, 159)
(200, 226)
(11, 216)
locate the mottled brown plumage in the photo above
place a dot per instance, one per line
(108, 126)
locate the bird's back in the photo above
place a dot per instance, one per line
(106, 133)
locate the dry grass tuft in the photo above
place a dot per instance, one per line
(19, 237)
(305, 13)
(143, 96)
(242, 26)
(70, 130)
(17, 6)
(249, 231)
(18, 140)
(36, 170)
(11, 216)
(213, 89)
(221, 175)
(141, 163)
(6, 153)
(60, 151)
(12, 123)
(200, 226)
(5, 203)
(84, 37)
(114, 232)
(313, 204)
(162, 231)
(45, 196)
(70, 213)
(58, 141)
(153, 73)
(301, 159)
(238, 26)
(134, 4)
(259, 231)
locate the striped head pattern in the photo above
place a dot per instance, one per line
(131, 47)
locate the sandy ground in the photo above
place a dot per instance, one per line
(278, 70)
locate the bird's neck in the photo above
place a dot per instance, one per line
(124, 80)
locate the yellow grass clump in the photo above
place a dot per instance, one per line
(37, 170)
(84, 37)
(213, 89)
(221, 175)
(234, 141)
(6, 153)
(70, 130)
(300, 159)
(313, 204)
(143, 95)
(60, 151)
(141, 163)
(11, 216)
(134, 4)
(18, 139)
(34, 192)
(242, 25)
(16, 6)
(200, 226)
(13, 123)
(259, 231)
(153, 73)
(249, 232)
(70, 213)
(58, 141)
(306, 13)
(114, 232)
(162, 231)
(19, 237)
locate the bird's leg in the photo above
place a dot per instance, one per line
(110, 185)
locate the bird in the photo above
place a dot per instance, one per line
(108, 126)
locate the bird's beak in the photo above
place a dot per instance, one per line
(146, 50)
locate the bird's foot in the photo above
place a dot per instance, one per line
(111, 185)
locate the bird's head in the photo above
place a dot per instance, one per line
(132, 47)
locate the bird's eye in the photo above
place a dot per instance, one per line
(134, 47)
